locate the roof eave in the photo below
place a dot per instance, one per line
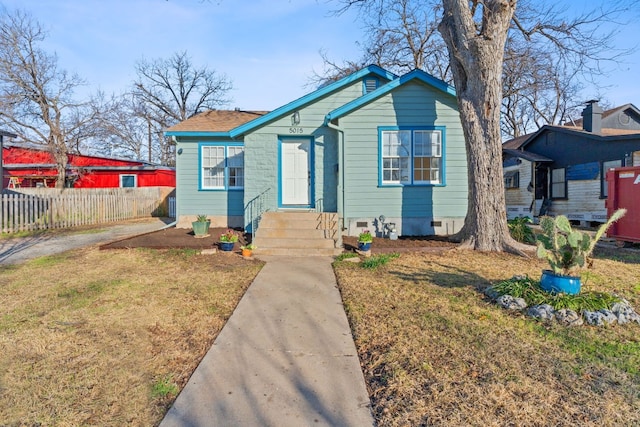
(298, 103)
(384, 89)
(197, 134)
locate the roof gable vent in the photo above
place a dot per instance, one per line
(370, 84)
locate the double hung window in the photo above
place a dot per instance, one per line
(411, 156)
(222, 167)
(559, 183)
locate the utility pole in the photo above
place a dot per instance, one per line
(149, 134)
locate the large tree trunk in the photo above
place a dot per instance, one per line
(476, 55)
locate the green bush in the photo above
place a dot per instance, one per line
(520, 230)
(376, 261)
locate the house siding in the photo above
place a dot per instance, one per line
(262, 162)
(411, 208)
(345, 160)
(224, 208)
(519, 199)
(583, 202)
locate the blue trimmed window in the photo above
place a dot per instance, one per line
(411, 157)
(222, 167)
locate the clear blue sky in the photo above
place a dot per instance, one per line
(268, 48)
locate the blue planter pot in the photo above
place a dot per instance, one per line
(226, 246)
(552, 282)
(364, 246)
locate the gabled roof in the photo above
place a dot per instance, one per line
(313, 96)
(607, 113)
(517, 142)
(532, 157)
(521, 142)
(211, 123)
(415, 75)
(215, 121)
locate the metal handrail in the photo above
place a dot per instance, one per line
(255, 208)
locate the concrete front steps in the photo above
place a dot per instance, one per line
(298, 234)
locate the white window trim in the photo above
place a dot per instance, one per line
(412, 157)
(135, 179)
(226, 167)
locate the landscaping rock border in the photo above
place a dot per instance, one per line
(621, 312)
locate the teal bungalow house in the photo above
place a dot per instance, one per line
(364, 152)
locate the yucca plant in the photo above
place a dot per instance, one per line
(567, 249)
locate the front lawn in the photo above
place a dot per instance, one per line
(436, 351)
(109, 338)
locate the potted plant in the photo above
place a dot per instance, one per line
(364, 240)
(247, 250)
(201, 226)
(567, 250)
(227, 240)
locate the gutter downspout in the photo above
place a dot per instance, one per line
(341, 198)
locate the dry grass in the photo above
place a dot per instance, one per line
(108, 337)
(435, 352)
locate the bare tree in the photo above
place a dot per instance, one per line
(476, 33)
(172, 90)
(548, 59)
(36, 97)
(123, 128)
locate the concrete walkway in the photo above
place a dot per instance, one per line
(286, 357)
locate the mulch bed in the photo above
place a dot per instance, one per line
(176, 238)
(403, 244)
(183, 238)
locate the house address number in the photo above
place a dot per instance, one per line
(296, 130)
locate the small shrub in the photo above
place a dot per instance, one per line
(164, 387)
(229, 236)
(365, 237)
(376, 261)
(521, 231)
(346, 255)
(201, 218)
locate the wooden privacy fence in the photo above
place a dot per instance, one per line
(39, 209)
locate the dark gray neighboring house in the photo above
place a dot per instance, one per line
(560, 170)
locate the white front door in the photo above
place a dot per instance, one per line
(295, 175)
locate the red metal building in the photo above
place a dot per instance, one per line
(26, 165)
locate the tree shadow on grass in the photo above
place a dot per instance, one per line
(452, 277)
(630, 255)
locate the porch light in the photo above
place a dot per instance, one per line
(295, 118)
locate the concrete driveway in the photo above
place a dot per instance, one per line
(20, 249)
